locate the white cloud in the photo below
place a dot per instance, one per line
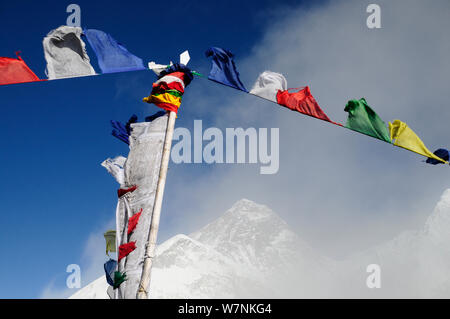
(342, 191)
(91, 265)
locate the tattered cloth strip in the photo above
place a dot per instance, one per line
(126, 249)
(441, 153)
(119, 278)
(406, 138)
(111, 55)
(142, 168)
(65, 53)
(223, 70)
(169, 89)
(268, 84)
(133, 221)
(121, 191)
(110, 237)
(110, 267)
(303, 102)
(363, 119)
(15, 71)
(115, 168)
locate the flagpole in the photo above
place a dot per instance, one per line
(144, 284)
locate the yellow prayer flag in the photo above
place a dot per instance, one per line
(163, 99)
(406, 138)
(110, 237)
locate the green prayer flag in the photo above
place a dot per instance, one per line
(363, 119)
(119, 278)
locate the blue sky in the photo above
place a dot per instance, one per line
(57, 200)
(55, 134)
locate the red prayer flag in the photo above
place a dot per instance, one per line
(15, 71)
(126, 249)
(303, 102)
(123, 191)
(133, 220)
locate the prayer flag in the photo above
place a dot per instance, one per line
(15, 71)
(110, 237)
(268, 84)
(406, 138)
(111, 55)
(303, 102)
(65, 53)
(223, 69)
(363, 119)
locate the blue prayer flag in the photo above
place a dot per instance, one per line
(223, 69)
(120, 131)
(111, 55)
(442, 153)
(110, 267)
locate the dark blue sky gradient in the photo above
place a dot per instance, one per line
(55, 134)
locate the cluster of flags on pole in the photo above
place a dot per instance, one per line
(169, 89)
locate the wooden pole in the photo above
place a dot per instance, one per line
(144, 284)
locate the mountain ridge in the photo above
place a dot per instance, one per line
(250, 252)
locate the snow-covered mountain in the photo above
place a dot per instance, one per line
(415, 264)
(250, 252)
